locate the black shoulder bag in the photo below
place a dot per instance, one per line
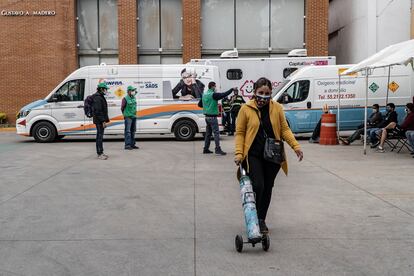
(273, 149)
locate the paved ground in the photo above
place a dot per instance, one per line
(166, 209)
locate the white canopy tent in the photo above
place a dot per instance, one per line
(397, 54)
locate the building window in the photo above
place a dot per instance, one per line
(255, 28)
(97, 32)
(160, 31)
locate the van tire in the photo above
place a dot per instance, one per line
(44, 132)
(185, 130)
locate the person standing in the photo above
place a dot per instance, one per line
(129, 110)
(236, 103)
(225, 103)
(258, 120)
(100, 117)
(210, 109)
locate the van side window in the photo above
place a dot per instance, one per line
(288, 71)
(71, 91)
(234, 74)
(297, 92)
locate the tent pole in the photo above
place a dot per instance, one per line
(339, 104)
(388, 84)
(366, 112)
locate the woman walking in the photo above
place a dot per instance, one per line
(259, 121)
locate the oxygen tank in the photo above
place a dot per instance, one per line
(249, 208)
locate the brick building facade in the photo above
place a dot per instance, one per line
(38, 45)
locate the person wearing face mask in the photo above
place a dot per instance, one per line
(129, 110)
(373, 121)
(390, 122)
(259, 119)
(209, 103)
(100, 117)
(408, 126)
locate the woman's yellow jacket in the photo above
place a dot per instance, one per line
(248, 123)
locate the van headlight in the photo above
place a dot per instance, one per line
(23, 113)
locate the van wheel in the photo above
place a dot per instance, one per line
(184, 130)
(44, 132)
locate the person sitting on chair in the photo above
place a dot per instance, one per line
(390, 121)
(373, 121)
(317, 131)
(408, 124)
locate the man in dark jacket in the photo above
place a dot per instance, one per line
(100, 117)
(226, 120)
(408, 124)
(236, 103)
(373, 121)
(390, 121)
(188, 85)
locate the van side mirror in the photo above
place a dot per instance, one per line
(53, 99)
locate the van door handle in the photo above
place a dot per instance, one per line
(309, 105)
(80, 106)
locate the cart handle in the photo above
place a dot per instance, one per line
(242, 171)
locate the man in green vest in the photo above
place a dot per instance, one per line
(129, 110)
(210, 109)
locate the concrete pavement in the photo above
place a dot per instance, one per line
(167, 209)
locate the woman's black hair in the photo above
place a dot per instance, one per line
(410, 106)
(262, 82)
(211, 84)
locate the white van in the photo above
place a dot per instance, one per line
(61, 113)
(306, 91)
(243, 72)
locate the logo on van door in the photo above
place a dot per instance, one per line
(247, 88)
(111, 82)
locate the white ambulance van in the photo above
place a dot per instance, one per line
(243, 72)
(61, 113)
(306, 91)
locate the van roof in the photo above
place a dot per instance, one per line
(319, 71)
(206, 60)
(91, 68)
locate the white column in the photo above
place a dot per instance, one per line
(372, 26)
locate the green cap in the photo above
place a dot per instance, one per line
(103, 85)
(131, 88)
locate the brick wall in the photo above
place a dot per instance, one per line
(127, 31)
(37, 52)
(316, 27)
(191, 29)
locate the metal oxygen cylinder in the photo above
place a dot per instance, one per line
(249, 207)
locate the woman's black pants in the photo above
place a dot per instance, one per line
(262, 174)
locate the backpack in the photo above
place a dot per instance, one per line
(87, 106)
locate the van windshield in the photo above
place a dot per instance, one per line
(279, 87)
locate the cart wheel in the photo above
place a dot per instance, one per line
(239, 243)
(265, 242)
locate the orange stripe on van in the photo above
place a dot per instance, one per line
(142, 113)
